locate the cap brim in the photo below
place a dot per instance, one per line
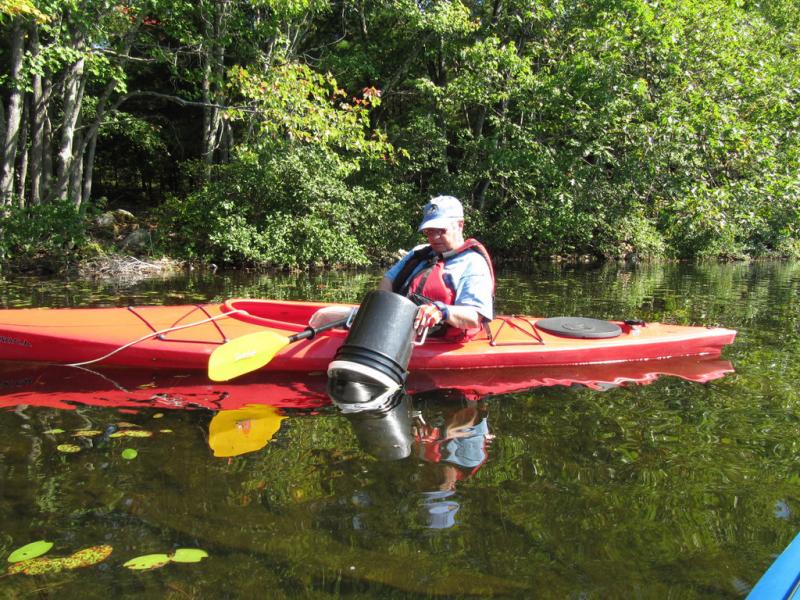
(440, 223)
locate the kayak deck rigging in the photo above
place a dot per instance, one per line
(533, 333)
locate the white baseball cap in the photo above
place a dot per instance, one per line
(440, 212)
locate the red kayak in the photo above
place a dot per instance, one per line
(183, 337)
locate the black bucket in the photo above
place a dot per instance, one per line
(378, 347)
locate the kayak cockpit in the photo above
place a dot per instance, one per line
(288, 315)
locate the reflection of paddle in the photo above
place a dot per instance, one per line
(252, 351)
(246, 429)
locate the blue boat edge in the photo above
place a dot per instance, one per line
(781, 580)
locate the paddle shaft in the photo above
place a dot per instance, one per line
(310, 332)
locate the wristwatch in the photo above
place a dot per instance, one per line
(442, 307)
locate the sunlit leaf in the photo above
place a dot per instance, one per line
(147, 561)
(68, 448)
(37, 566)
(29, 551)
(87, 557)
(54, 431)
(87, 433)
(135, 433)
(83, 558)
(129, 454)
(189, 555)
(158, 415)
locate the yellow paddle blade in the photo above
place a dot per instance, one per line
(244, 354)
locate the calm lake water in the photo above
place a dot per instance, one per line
(673, 489)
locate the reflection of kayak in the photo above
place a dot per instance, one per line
(60, 386)
(782, 579)
(183, 337)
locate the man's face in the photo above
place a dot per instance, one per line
(442, 240)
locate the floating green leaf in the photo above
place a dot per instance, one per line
(68, 448)
(129, 454)
(29, 551)
(158, 415)
(165, 430)
(148, 561)
(189, 555)
(131, 433)
(54, 431)
(87, 557)
(37, 566)
(87, 433)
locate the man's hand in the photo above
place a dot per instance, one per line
(428, 315)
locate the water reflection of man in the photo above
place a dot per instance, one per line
(452, 442)
(453, 452)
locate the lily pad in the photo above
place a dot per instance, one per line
(29, 551)
(68, 448)
(165, 430)
(129, 454)
(148, 561)
(158, 415)
(54, 431)
(87, 557)
(138, 433)
(189, 555)
(37, 566)
(87, 433)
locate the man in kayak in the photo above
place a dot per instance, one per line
(449, 277)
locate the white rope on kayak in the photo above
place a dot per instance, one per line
(155, 334)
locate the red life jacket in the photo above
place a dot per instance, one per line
(429, 284)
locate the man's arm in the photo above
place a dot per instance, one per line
(385, 285)
(462, 316)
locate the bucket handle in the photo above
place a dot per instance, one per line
(422, 337)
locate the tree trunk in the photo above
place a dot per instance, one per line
(2, 120)
(76, 173)
(47, 141)
(37, 118)
(90, 135)
(86, 193)
(14, 116)
(22, 168)
(73, 97)
(212, 76)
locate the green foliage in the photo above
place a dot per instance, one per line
(292, 209)
(12, 8)
(50, 235)
(603, 128)
(287, 198)
(600, 128)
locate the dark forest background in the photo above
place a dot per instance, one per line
(304, 133)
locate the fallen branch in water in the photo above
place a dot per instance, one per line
(127, 267)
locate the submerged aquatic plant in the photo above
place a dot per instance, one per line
(37, 564)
